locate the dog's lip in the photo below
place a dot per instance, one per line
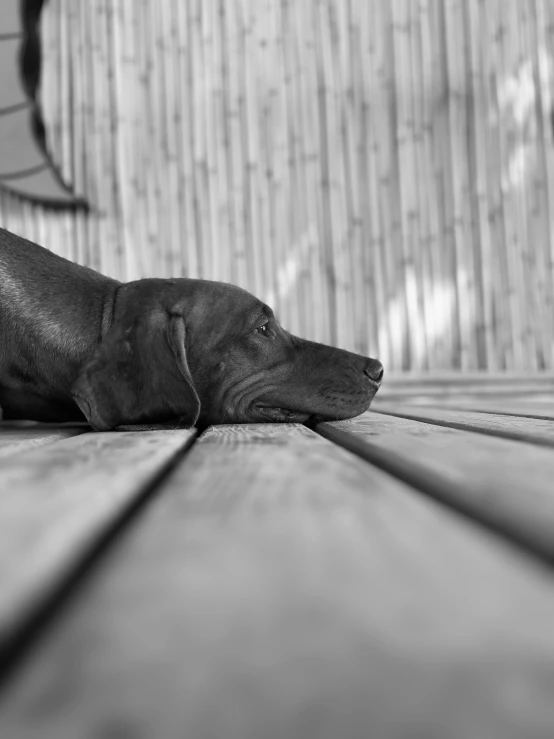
(267, 406)
(282, 409)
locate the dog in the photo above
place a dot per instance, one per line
(76, 345)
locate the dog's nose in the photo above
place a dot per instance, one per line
(374, 370)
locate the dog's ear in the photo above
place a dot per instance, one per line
(138, 375)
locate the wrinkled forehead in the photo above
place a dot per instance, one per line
(219, 306)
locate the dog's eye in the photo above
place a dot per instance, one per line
(263, 329)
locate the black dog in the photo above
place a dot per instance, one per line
(74, 343)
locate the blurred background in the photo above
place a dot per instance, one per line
(381, 173)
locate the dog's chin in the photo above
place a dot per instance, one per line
(264, 412)
(343, 413)
(275, 414)
(316, 418)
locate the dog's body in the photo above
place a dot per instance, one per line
(76, 345)
(51, 314)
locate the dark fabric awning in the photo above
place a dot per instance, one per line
(26, 167)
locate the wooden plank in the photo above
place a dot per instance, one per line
(279, 586)
(502, 483)
(458, 389)
(447, 384)
(450, 378)
(533, 430)
(57, 502)
(534, 406)
(446, 395)
(15, 439)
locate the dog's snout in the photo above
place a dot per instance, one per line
(374, 370)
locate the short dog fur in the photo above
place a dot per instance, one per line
(76, 345)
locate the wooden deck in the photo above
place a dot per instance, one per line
(389, 576)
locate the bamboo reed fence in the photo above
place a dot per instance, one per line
(382, 173)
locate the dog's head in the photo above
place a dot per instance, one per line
(183, 352)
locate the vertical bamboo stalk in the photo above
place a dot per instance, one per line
(227, 141)
(453, 158)
(342, 173)
(289, 247)
(188, 252)
(129, 88)
(546, 145)
(266, 23)
(340, 176)
(77, 139)
(487, 54)
(87, 45)
(169, 247)
(512, 246)
(477, 100)
(408, 226)
(278, 164)
(385, 122)
(247, 122)
(235, 150)
(197, 82)
(206, 32)
(118, 107)
(210, 109)
(219, 190)
(436, 287)
(375, 122)
(64, 152)
(419, 82)
(327, 232)
(503, 288)
(375, 279)
(159, 235)
(519, 255)
(297, 233)
(534, 243)
(315, 316)
(396, 243)
(153, 220)
(355, 133)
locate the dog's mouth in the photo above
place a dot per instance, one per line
(277, 414)
(330, 408)
(284, 415)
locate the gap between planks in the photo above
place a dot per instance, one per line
(503, 484)
(536, 406)
(59, 506)
(534, 431)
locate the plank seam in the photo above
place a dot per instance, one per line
(434, 486)
(33, 625)
(513, 435)
(466, 408)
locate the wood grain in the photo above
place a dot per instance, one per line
(533, 430)
(459, 384)
(57, 501)
(279, 586)
(449, 379)
(14, 440)
(532, 406)
(503, 483)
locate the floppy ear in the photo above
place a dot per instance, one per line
(139, 375)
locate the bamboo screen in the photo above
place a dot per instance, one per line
(380, 171)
